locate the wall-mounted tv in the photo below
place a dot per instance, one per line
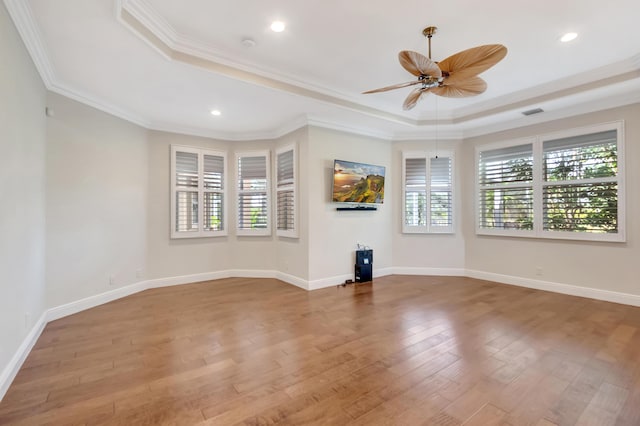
(357, 183)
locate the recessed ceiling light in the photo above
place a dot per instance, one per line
(568, 37)
(215, 112)
(277, 26)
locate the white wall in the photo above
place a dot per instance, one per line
(250, 253)
(177, 257)
(333, 234)
(292, 254)
(239, 254)
(22, 194)
(427, 253)
(96, 201)
(604, 266)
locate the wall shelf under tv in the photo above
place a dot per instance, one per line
(356, 208)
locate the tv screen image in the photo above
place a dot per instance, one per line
(357, 183)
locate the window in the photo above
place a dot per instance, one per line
(286, 198)
(506, 188)
(197, 193)
(254, 202)
(428, 193)
(568, 185)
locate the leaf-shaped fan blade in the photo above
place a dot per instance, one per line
(472, 62)
(418, 64)
(413, 98)
(471, 86)
(395, 86)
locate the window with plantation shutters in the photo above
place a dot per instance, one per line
(197, 192)
(506, 188)
(566, 185)
(286, 197)
(580, 183)
(254, 203)
(428, 192)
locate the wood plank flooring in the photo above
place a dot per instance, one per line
(400, 351)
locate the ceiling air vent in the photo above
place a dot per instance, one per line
(532, 111)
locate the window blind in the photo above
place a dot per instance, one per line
(186, 169)
(428, 193)
(440, 197)
(506, 188)
(253, 197)
(213, 171)
(580, 189)
(197, 206)
(285, 190)
(566, 185)
(186, 218)
(506, 165)
(252, 173)
(285, 168)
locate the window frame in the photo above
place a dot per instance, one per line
(256, 231)
(201, 190)
(292, 185)
(539, 183)
(428, 228)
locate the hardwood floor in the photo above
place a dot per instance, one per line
(401, 351)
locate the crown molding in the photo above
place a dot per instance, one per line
(601, 103)
(22, 17)
(140, 18)
(98, 104)
(622, 71)
(348, 128)
(448, 134)
(152, 28)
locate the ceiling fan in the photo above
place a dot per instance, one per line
(454, 77)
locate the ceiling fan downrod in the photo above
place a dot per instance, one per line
(428, 33)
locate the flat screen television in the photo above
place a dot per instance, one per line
(357, 183)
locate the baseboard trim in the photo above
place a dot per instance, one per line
(329, 282)
(572, 290)
(11, 370)
(71, 308)
(293, 280)
(444, 272)
(252, 273)
(186, 279)
(382, 272)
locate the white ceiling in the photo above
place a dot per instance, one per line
(165, 64)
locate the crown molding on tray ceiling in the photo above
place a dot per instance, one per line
(141, 18)
(153, 29)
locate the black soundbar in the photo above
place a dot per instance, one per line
(359, 208)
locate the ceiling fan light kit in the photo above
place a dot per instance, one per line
(453, 77)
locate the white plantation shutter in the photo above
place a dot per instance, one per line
(567, 185)
(213, 192)
(580, 183)
(286, 167)
(441, 201)
(197, 203)
(253, 194)
(286, 219)
(186, 169)
(415, 199)
(506, 188)
(428, 192)
(186, 192)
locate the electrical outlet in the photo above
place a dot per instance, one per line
(139, 273)
(539, 271)
(112, 280)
